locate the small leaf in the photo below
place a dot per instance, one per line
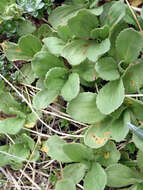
(78, 152)
(119, 175)
(108, 154)
(71, 88)
(27, 76)
(135, 106)
(25, 27)
(75, 172)
(97, 135)
(100, 33)
(130, 50)
(65, 33)
(55, 78)
(96, 178)
(65, 184)
(54, 45)
(11, 125)
(54, 149)
(83, 108)
(110, 97)
(85, 70)
(133, 81)
(29, 44)
(45, 97)
(107, 68)
(116, 13)
(138, 140)
(27, 140)
(43, 61)
(82, 24)
(4, 159)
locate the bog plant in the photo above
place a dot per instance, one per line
(91, 56)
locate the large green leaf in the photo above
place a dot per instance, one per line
(54, 148)
(25, 27)
(130, 50)
(43, 61)
(11, 125)
(116, 13)
(45, 97)
(108, 154)
(83, 108)
(97, 135)
(110, 97)
(75, 172)
(78, 50)
(85, 70)
(71, 88)
(107, 68)
(65, 184)
(82, 24)
(61, 15)
(55, 78)
(133, 79)
(119, 175)
(96, 178)
(29, 44)
(78, 152)
(54, 45)
(65, 33)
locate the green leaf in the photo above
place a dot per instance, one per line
(107, 68)
(29, 44)
(54, 45)
(133, 79)
(83, 108)
(55, 78)
(65, 184)
(85, 70)
(82, 24)
(130, 50)
(4, 159)
(20, 151)
(116, 13)
(13, 53)
(78, 152)
(119, 128)
(61, 15)
(45, 97)
(110, 97)
(54, 148)
(78, 50)
(108, 154)
(96, 178)
(97, 136)
(45, 31)
(43, 61)
(100, 33)
(142, 12)
(26, 74)
(65, 33)
(27, 140)
(119, 175)
(75, 172)
(137, 140)
(11, 125)
(8, 104)
(71, 88)
(25, 27)
(135, 106)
